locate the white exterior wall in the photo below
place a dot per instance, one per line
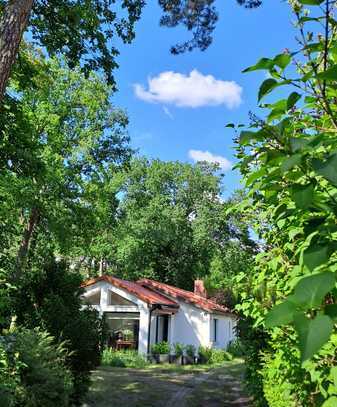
(193, 326)
(140, 306)
(225, 330)
(190, 326)
(143, 328)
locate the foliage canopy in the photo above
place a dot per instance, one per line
(289, 162)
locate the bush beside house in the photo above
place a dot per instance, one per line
(33, 370)
(54, 302)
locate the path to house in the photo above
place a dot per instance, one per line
(169, 386)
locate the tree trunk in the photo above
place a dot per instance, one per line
(24, 245)
(12, 26)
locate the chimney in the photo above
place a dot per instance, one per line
(199, 288)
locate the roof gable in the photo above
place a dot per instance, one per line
(149, 296)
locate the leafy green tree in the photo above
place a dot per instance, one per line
(171, 222)
(82, 31)
(289, 163)
(71, 142)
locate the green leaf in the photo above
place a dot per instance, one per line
(310, 291)
(306, 19)
(291, 162)
(327, 168)
(246, 136)
(281, 314)
(293, 232)
(330, 402)
(298, 144)
(329, 75)
(231, 125)
(267, 86)
(311, 2)
(331, 311)
(254, 176)
(282, 60)
(302, 195)
(263, 63)
(312, 333)
(293, 98)
(314, 256)
(333, 375)
(275, 114)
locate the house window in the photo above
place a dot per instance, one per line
(162, 328)
(123, 329)
(215, 330)
(115, 299)
(93, 299)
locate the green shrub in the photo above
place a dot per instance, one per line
(289, 382)
(178, 349)
(10, 386)
(53, 301)
(126, 358)
(190, 350)
(213, 356)
(219, 356)
(254, 341)
(160, 348)
(46, 380)
(204, 353)
(33, 371)
(236, 348)
(278, 389)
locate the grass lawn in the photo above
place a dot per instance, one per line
(167, 385)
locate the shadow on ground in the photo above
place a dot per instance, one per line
(168, 386)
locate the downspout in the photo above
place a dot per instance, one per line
(149, 330)
(153, 307)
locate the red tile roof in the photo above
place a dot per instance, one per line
(143, 293)
(187, 296)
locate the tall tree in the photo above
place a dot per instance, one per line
(171, 221)
(12, 25)
(71, 142)
(81, 30)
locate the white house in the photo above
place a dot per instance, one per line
(139, 314)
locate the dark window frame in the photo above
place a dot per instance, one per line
(215, 329)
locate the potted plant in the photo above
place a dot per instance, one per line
(127, 334)
(204, 354)
(178, 351)
(161, 352)
(189, 357)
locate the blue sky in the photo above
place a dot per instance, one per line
(162, 129)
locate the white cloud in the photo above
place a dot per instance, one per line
(193, 90)
(167, 112)
(198, 155)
